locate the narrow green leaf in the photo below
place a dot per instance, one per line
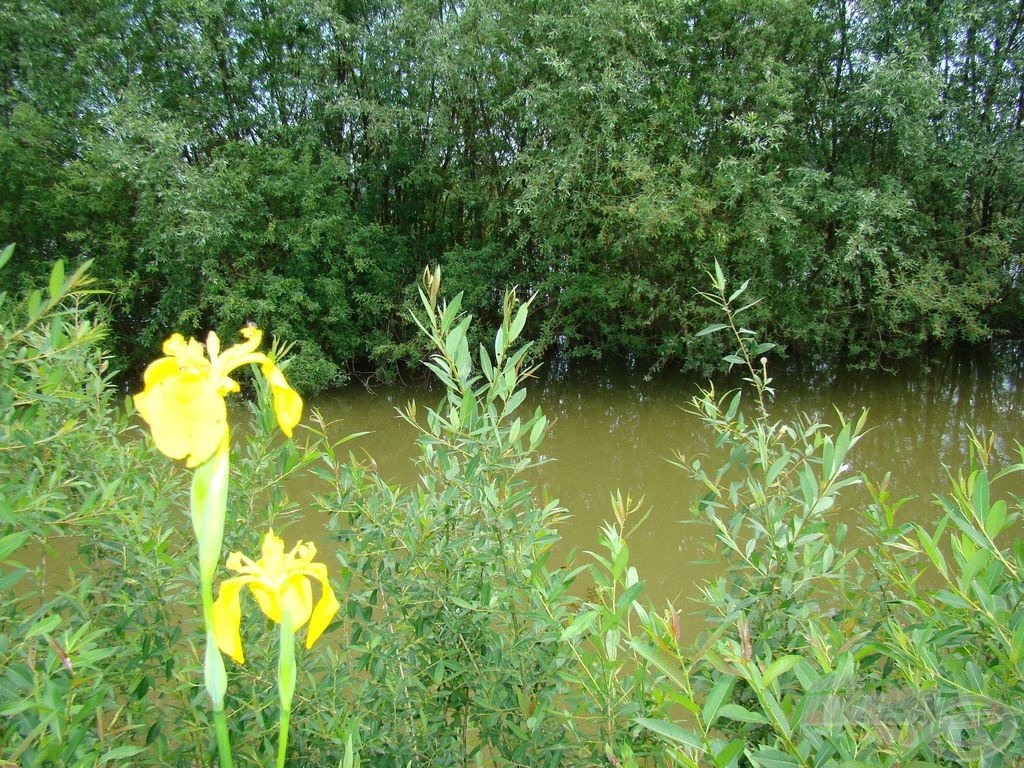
(499, 344)
(843, 442)
(739, 291)
(779, 667)
(741, 714)
(931, 549)
(626, 598)
(808, 485)
(5, 254)
(713, 328)
(828, 451)
(440, 369)
(12, 542)
(44, 626)
(485, 364)
(579, 625)
(466, 410)
(952, 600)
(1017, 642)
(776, 468)
(728, 754)
(513, 402)
(773, 758)
(56, 279)
(716, 696)
(612, 638)
(519, 323)
(775, 712)
(538, 431)
(620, 559)
(822, 505)
(974, 565)
(451, 311)
(980, 494)
(669, 667)
(672, 732)
(976, 677)
(35, 300)
(120, 753)
(456, 346)
(995, 519)
(349, 761)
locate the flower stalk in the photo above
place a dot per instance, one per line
(208, 509)
(285, 682)
(183, 402)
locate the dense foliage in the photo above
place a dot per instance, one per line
(905, 650)
(459, 643)
(295, 162)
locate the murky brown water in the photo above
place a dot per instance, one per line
(613, 430)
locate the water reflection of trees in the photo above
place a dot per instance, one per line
(613, 430)
(612, 427)
(923, 410)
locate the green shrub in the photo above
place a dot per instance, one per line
(453, 613)
(80, 666)
(101, 663)
(460, 642)
(904, 651)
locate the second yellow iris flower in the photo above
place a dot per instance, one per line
(280, 582)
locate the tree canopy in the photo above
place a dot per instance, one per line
(296, 163)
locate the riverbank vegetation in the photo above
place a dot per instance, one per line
(294, 164)
(458, 640)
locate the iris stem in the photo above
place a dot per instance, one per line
(215, 677)
(220, 723)
(208, 508)
(285, 681)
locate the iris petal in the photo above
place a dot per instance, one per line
(325, 609)
(227, 618)
(287, 403)
(186, 414)
(297, 595)
(268, 598)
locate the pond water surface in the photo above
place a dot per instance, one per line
(614, 429)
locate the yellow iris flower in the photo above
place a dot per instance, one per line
(183, 397)
(280, 582)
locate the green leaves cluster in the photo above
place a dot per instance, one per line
(453, 611)
(903, 650)
(98, 642)
(80, 653)
(460, 641)
(293, 163)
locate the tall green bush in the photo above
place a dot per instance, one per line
(904, 650)
(84, 653)
(460, 642)
(453, 609)
(292, 164)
